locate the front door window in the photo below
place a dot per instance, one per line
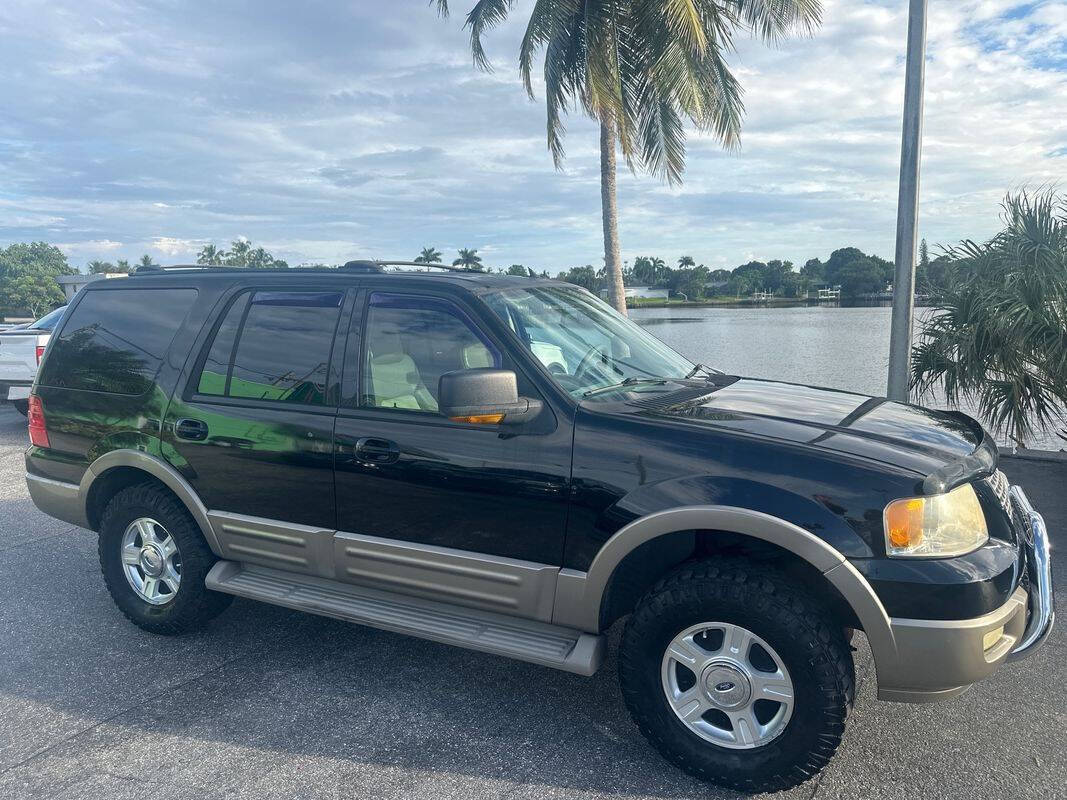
(410, 343)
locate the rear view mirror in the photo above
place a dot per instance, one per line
(484, 396)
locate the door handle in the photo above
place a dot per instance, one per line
(193, 430)
(371, 450)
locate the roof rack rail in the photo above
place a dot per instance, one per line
(157, 268)
(378, 266)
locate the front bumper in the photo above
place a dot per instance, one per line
(939, 659)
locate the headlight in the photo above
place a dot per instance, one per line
(949, 524)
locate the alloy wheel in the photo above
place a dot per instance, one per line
(151, 561)
(727, 685)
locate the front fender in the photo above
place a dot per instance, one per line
(811, 512)
(579, 594)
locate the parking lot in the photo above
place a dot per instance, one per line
(273, 703)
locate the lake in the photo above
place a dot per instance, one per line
(844, 348)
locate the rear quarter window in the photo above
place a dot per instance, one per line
(115, 340)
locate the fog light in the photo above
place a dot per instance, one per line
(992, 638)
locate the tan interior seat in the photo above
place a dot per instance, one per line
(393, 378)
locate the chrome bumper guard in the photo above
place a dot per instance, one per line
(1039, 569)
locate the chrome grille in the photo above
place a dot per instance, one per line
(998, 482)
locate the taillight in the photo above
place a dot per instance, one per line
(40, 353)
(35, 422)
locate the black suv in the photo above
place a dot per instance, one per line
(508, 465)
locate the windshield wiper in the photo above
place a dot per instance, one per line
(710, 371)
(626, 382)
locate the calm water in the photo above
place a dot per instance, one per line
(844, 348)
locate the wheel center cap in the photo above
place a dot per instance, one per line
(726, 686)
(151, 561)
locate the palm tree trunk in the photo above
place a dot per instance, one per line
(612, 261)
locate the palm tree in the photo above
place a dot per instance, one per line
(469, 259)
(686, 261)
(998, 337)
(98, 267)
(210, 255)
(640, 68)
(657, 265)
(429, 255)
(240, 250)
(147, 262)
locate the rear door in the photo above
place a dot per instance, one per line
(254, 425)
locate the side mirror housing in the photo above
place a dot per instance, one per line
(484, 396)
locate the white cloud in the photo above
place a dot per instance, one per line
(171, 246)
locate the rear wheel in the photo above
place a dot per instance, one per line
(154, 561)
(735, 675)
(22, 406)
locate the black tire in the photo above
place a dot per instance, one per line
(763, 600)
(193, 605)
(22, 406)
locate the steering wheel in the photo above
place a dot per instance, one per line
(587, 360)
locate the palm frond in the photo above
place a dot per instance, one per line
(646, 68)
(772, 20)
(485, 16)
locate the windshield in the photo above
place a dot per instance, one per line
(49, 320)
(582, 341)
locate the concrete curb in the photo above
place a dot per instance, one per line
(1055, 456)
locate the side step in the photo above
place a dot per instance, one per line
(526, 640)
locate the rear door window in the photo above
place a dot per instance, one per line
(115, 340)
(273, 346)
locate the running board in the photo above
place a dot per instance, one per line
(527, 640)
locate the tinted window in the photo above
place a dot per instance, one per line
(115, 341)
(217, 364)
(410, 343)
(283, 348)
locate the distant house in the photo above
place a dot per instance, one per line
(641, 293)
(830, 293)
(70, 284)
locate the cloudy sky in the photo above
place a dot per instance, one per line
(332, 129)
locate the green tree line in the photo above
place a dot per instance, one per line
(856, 273)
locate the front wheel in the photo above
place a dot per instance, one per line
(735, 675)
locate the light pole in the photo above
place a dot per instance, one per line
(908, 206)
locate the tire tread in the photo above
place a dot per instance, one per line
(196, 604)
(767, 590)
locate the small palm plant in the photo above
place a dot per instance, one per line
(468, 259)
(998, 337)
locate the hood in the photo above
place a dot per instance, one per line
(923, 440)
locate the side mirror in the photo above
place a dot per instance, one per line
(484, 396)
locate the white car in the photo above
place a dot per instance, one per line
(21, 350)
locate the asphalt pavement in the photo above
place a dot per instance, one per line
(271, 703)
